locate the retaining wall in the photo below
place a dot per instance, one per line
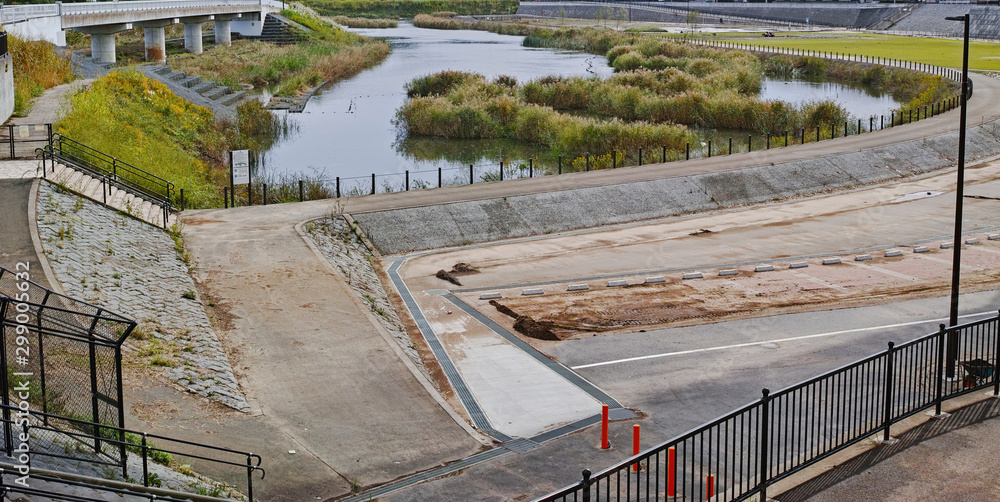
(462, 223)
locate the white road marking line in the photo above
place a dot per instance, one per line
(751, 344)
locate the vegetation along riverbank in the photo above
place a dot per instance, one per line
(37, 66)
(661, 88)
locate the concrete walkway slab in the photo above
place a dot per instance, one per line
(520, 396)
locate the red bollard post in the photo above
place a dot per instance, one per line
(711, 487)
(635, 445)
(604, 428)
(671, 471)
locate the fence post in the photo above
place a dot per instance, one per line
(664, 154)
(585, 485)
(887, 412)
(768, 141)
(225, 198)
(640, 156)
(938, 392)
(501, 170)
(338, 187)
(104, 189)
(614, 159)
(750, 143)
(531, 168)
(301, 191)
(407, 180)
(249, 479)
(263, 188)
(730, 145)
(439, 177)
(586, 157)
(709, 148)
(687, 151)
(472, 180)
(996, 359)
(786, 138)
(182, 199)
(373, 183)
(765, 442)
(560, 164)
(10, 137)
(145, 465)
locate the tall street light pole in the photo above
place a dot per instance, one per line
(959, 196)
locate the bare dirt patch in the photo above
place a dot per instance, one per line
(457, 270)
(684, 303)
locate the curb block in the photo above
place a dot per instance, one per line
(578, 287)
(651, 280)
(529, 292)
(695, 275)
(993, 237)
(619, 283)
(894, 253)
(764, 268)
(490, 296)
(799, 264)
(831, 261)
(729, 271)
(863, 257)
(921, 249)
(970, 242)
(947, 245)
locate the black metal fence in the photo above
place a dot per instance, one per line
(740, 455)
(20, 141)
(54, 436)
(60, 356)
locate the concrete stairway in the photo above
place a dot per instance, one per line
(281, 31)
(92, 188)
(209, 90)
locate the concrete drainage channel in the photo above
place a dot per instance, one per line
(507, 443)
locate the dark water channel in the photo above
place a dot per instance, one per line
(347, 130)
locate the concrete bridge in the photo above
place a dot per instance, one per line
(102, 20)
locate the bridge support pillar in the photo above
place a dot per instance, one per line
(223, 29)
(192, 32)
(102, 40)
(156, 40)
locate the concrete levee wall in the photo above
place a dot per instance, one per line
(6, 87)
(39, 28)
(463, 223)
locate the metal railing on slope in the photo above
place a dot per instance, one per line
(116, 172)
(739, 455)
(56, 436)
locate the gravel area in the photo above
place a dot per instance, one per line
(112, 260)
(345, 251)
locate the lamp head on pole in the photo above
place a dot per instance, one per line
(957, 18)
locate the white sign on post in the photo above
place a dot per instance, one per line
(241, 167)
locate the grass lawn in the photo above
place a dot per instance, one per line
(934, 51)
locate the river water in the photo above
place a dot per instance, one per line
(347, 130)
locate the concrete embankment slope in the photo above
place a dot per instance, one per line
(567, 208)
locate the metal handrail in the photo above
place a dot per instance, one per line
(119, 440)
(884, 406)
(118, 172)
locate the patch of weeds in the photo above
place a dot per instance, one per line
(163, 362)
(153, 479)
(188, 294)
(78, 205)
(116, 275)
(175, 234)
